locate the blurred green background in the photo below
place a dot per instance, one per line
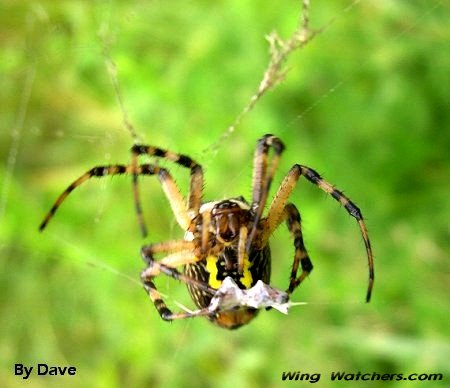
(366, 103)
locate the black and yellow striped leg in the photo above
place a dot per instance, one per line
(98, 172)
(279, 202)
(301, 257)
(172, 191)
(156, 267)
(263, 176)
(165, 313)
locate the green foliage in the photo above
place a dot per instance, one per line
(365, 104)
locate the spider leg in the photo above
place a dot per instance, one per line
(98, 172)
(179, 252)
(242, 245)
(291, 215)
(301, 257)
(164, 312)
(177, 202)
(182, 253)
(281, 197)
(262, 177)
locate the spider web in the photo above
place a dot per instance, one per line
(272, 77)
(280, 50)
(19, 132)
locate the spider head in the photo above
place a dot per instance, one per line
(227, 217)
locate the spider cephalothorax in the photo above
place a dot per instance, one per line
(223, 239)
(227, 219)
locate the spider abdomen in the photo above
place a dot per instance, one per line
(214, 269)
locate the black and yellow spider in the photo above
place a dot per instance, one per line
(225, 238)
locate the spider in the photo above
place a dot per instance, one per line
(223, 238)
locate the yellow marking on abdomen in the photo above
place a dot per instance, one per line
(246, 278)
(211, 266)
